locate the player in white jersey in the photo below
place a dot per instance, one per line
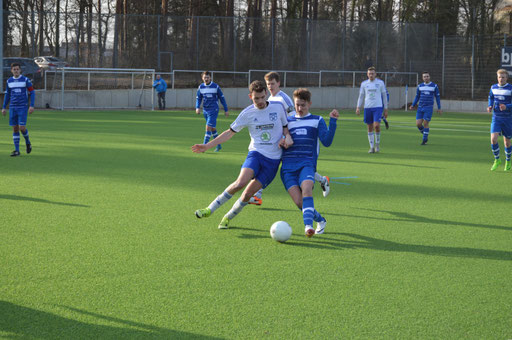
(373, 92)
(267, 123)
(272, 79)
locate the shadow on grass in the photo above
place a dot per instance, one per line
(332, 240)
(377, 162)
(407, 217)
(27, 323)
(40, 200)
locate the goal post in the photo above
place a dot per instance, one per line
(99, 88)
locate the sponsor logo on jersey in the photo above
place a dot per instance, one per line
(265, 127)
(300, 132)
(265, 137)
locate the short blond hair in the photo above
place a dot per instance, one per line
(502, 71)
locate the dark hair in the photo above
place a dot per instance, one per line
(302, 93)
(272, 76)
(206, 73)
(15, 64)
(257, 86)
(425, 72)
(372, 68)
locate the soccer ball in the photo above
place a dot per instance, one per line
(281, 231)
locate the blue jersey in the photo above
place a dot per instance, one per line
(501, 95)
(210, 95)
(160, 85)
(306, 131)
(18, 91)
(425, 94)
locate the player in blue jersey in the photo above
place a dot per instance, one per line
(266, 122)
(209, 94)
(425, 94)
(272, 79)
(500, 104)
(19, 90)
(299, 160)
(373, 92)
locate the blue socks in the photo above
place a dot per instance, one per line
(508, 152)
(421, 128)
(207, 136)
(16, 140)
(425, 133)
(25, 135)
(496, 150)
(308, 210)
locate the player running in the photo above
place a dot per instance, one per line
(16, 94)
(209, 94)
(267, 123)
(272, 79)
(500, 104)
(299, 160)
(425, 94)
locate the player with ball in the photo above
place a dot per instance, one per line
(299, 160)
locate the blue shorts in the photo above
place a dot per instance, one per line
(503, 125)
(265, 169)
(424, 113)
(211, 118)
(294, 177)
(372, 115)
(18, 116)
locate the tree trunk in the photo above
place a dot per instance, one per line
(100, 50)
(24, 37)
(57, 28)
(41, 27)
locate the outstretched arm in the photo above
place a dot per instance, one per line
(223, 137)
(326, 134)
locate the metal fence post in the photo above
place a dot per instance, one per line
(197, 43)
(473, 66)
(442, 70)
(159, 65)
(377, 46)
(405, 48)
(62, 92)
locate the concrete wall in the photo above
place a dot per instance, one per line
(237, 98)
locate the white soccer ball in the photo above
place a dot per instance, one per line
(281, 231)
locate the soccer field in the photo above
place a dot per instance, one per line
(99, 238)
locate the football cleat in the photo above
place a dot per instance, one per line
(206, 212)
(377, 148)
(15, 153)
(325, 186)
(372, 150)
(386, 123)
(320, 227)
(224, 223)
(508, 165)
(218, 148)
(424, 142)
(29, 148)
(309, 231)
(494, 166)
(255, 200)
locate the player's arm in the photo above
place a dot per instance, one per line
(383, 92)
(287, 141)
(490, 101)
(416, 99)
(199, 99)
(223, 101)
(7, 99)
(360, 100)
(32, 94)
(326, 134)
(223, 137)
(438, 99)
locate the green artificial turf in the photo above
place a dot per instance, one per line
(98, 237)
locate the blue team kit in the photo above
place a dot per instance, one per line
(501, 120)
(209, 95)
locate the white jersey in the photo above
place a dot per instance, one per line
(287, 102)
(265, 128)
(374, 93)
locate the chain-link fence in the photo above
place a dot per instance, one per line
(463, 67)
